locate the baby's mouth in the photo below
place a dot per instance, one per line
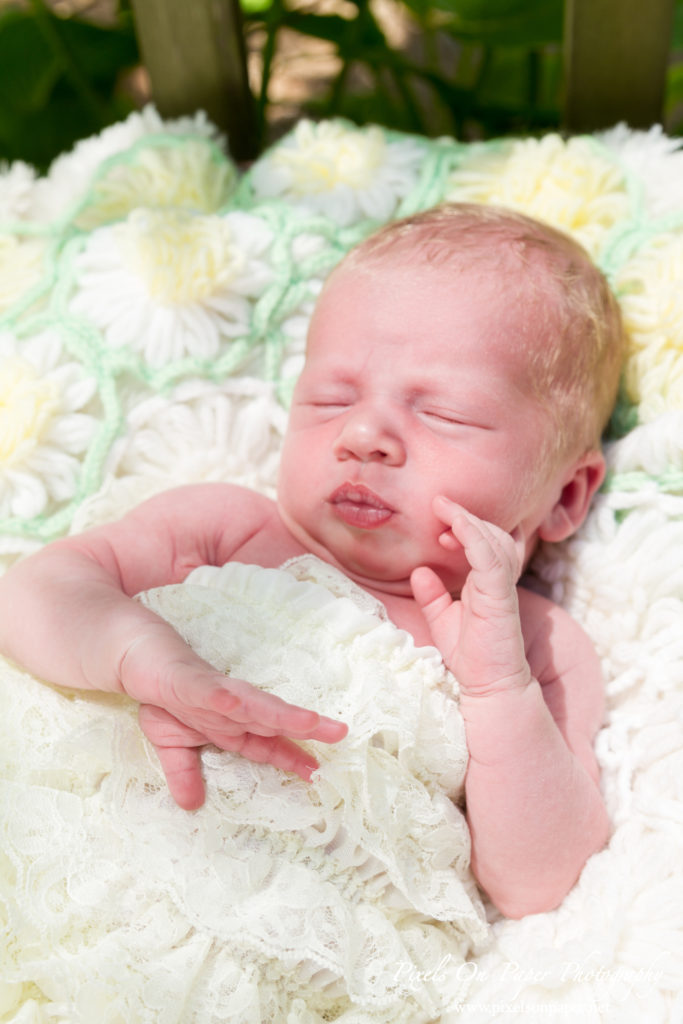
(358, 506)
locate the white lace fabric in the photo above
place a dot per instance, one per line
(278, 901)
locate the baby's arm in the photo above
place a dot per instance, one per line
(533, 804)
(66, 615)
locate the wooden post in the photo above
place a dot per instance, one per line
(616, 57)
(195, 55)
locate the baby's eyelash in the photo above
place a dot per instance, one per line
(443, 417)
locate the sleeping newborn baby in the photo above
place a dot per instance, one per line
(460, 368)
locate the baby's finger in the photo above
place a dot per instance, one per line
(276, 750)
(488, 548)
(429, 592)
(160, 669)
(187, 685)
(177, 747)
(268, 714)
(182, 768)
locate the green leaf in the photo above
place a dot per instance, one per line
(677, 41)
(491, 10)
(58, 81)
(500, 22)
(674, 97)
(28, 68)
(40, 135)
(371, 107)
(255, 6)
(330, 27)
(518, 79)
(99, 53)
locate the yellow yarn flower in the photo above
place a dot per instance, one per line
(178, 257)
(570, 185)
(329, 155)
(44, 428)
(169, 283)
(651, 297)
(27, 405)
(337, 169)
(190, 176)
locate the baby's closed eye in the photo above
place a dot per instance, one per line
(449, 419)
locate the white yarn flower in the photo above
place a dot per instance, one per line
(17, 183)
(191, 176)
(655, 159)
(44, 429)
(651, 298)
(71, 173)
(336, 169)
(170, 284)
(21, 265)
(654, 448)
(571, 185)
(230, 432)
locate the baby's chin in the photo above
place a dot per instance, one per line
(383, 567)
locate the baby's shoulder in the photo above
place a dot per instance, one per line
(563, 659)
(203, 524)
(554, 641)
(535, 610)
(207, 507)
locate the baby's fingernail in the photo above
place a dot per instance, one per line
(307, 769)
(335, 730)
(442, 503)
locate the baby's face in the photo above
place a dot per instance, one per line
(411, 389)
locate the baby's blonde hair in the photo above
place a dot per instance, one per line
(575, 372)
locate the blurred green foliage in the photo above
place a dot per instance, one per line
(59, 79)
(475, 68)
(479, 69)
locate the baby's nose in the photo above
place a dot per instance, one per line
(369, 435)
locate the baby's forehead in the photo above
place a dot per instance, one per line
(529, 275)
(511, 313)
(523, 294)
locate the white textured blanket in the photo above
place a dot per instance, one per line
(153, 308)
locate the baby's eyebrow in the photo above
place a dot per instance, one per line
(338, 373)
(436, 390)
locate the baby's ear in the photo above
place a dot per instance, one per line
(569, 511)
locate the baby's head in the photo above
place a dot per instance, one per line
(467, 352)
(569, 328)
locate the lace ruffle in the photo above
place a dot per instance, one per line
(277, 900)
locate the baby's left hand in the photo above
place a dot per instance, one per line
(479, 635)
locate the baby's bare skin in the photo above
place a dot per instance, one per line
(410, 464)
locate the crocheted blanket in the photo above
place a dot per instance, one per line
(153, 309)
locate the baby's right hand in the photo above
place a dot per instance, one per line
(186, 704)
